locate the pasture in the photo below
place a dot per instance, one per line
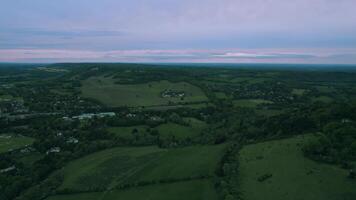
(298, 92)
(220, 95)
(115, 167)
(170, 107)
(126, 132)
(133, 95)
(189, 190)
(181, 132)
(7, 97)
(11, 142)
(250, 103)
(30, 158)
(324, 99)
(278, 170)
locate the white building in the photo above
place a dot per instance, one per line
(54, 150)
(92, 115)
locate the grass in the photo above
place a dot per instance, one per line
(9, 142)
(115, 95)
(7, 97)
(324, 99)
(250, 103)
(220, 95)
(249, 80)
(180, 131)
(31, 158)
(268, 112)
(298, 92)
(189, 190)
(114, 167)
(325, 89)
(126, 132)
(61, 91)
(170, 107)
(294, 177)
(165, 130)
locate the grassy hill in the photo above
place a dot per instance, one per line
(190, 190)
(250, 103)
(181, 132)
(126, 132)
(143, 172)
(149, 94)
(10, 142)
(192, 129)
(290, 175)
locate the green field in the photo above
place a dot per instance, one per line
(9, 142)
(250, 80)
(149, 94)
(298, 92)
(188, 190)
(180, 131)
(165, 130)
(9, 97)
(324, 99)
(250, 103)
(220, 95)
(170, 107)
(294, 177)
(118, 166)
(268, 112)
(325, 89)
(126, 132)
(30, 158)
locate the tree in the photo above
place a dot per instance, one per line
(352, 174)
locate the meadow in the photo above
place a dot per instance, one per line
(193, 128)
(9, 97)
(298, 92)
(250, 103)
(278, 170)
(189, 190)
(178, 131)
(172, 107)
(126, 132)
(111, 94)
(112, 168)
(9, 142)
(324, 99)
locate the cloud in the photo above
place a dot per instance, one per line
(342, 56)
(173, 24)
(264, 55)
(299, 31)
(60, 33)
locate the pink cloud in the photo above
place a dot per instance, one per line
(177, 55)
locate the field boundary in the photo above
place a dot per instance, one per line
(135, 185)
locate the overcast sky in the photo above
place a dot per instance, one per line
(280, 31)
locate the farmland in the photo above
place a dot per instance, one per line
(192, 128)
(9, 142)
(173, 107)
(116, 167)
(298, 92)
(181, 132)
(106, 91)
(102, 131)
(292, 176)
(126, 132)
(190, 190)
(250, 103)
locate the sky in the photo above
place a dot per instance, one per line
(211, 31)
